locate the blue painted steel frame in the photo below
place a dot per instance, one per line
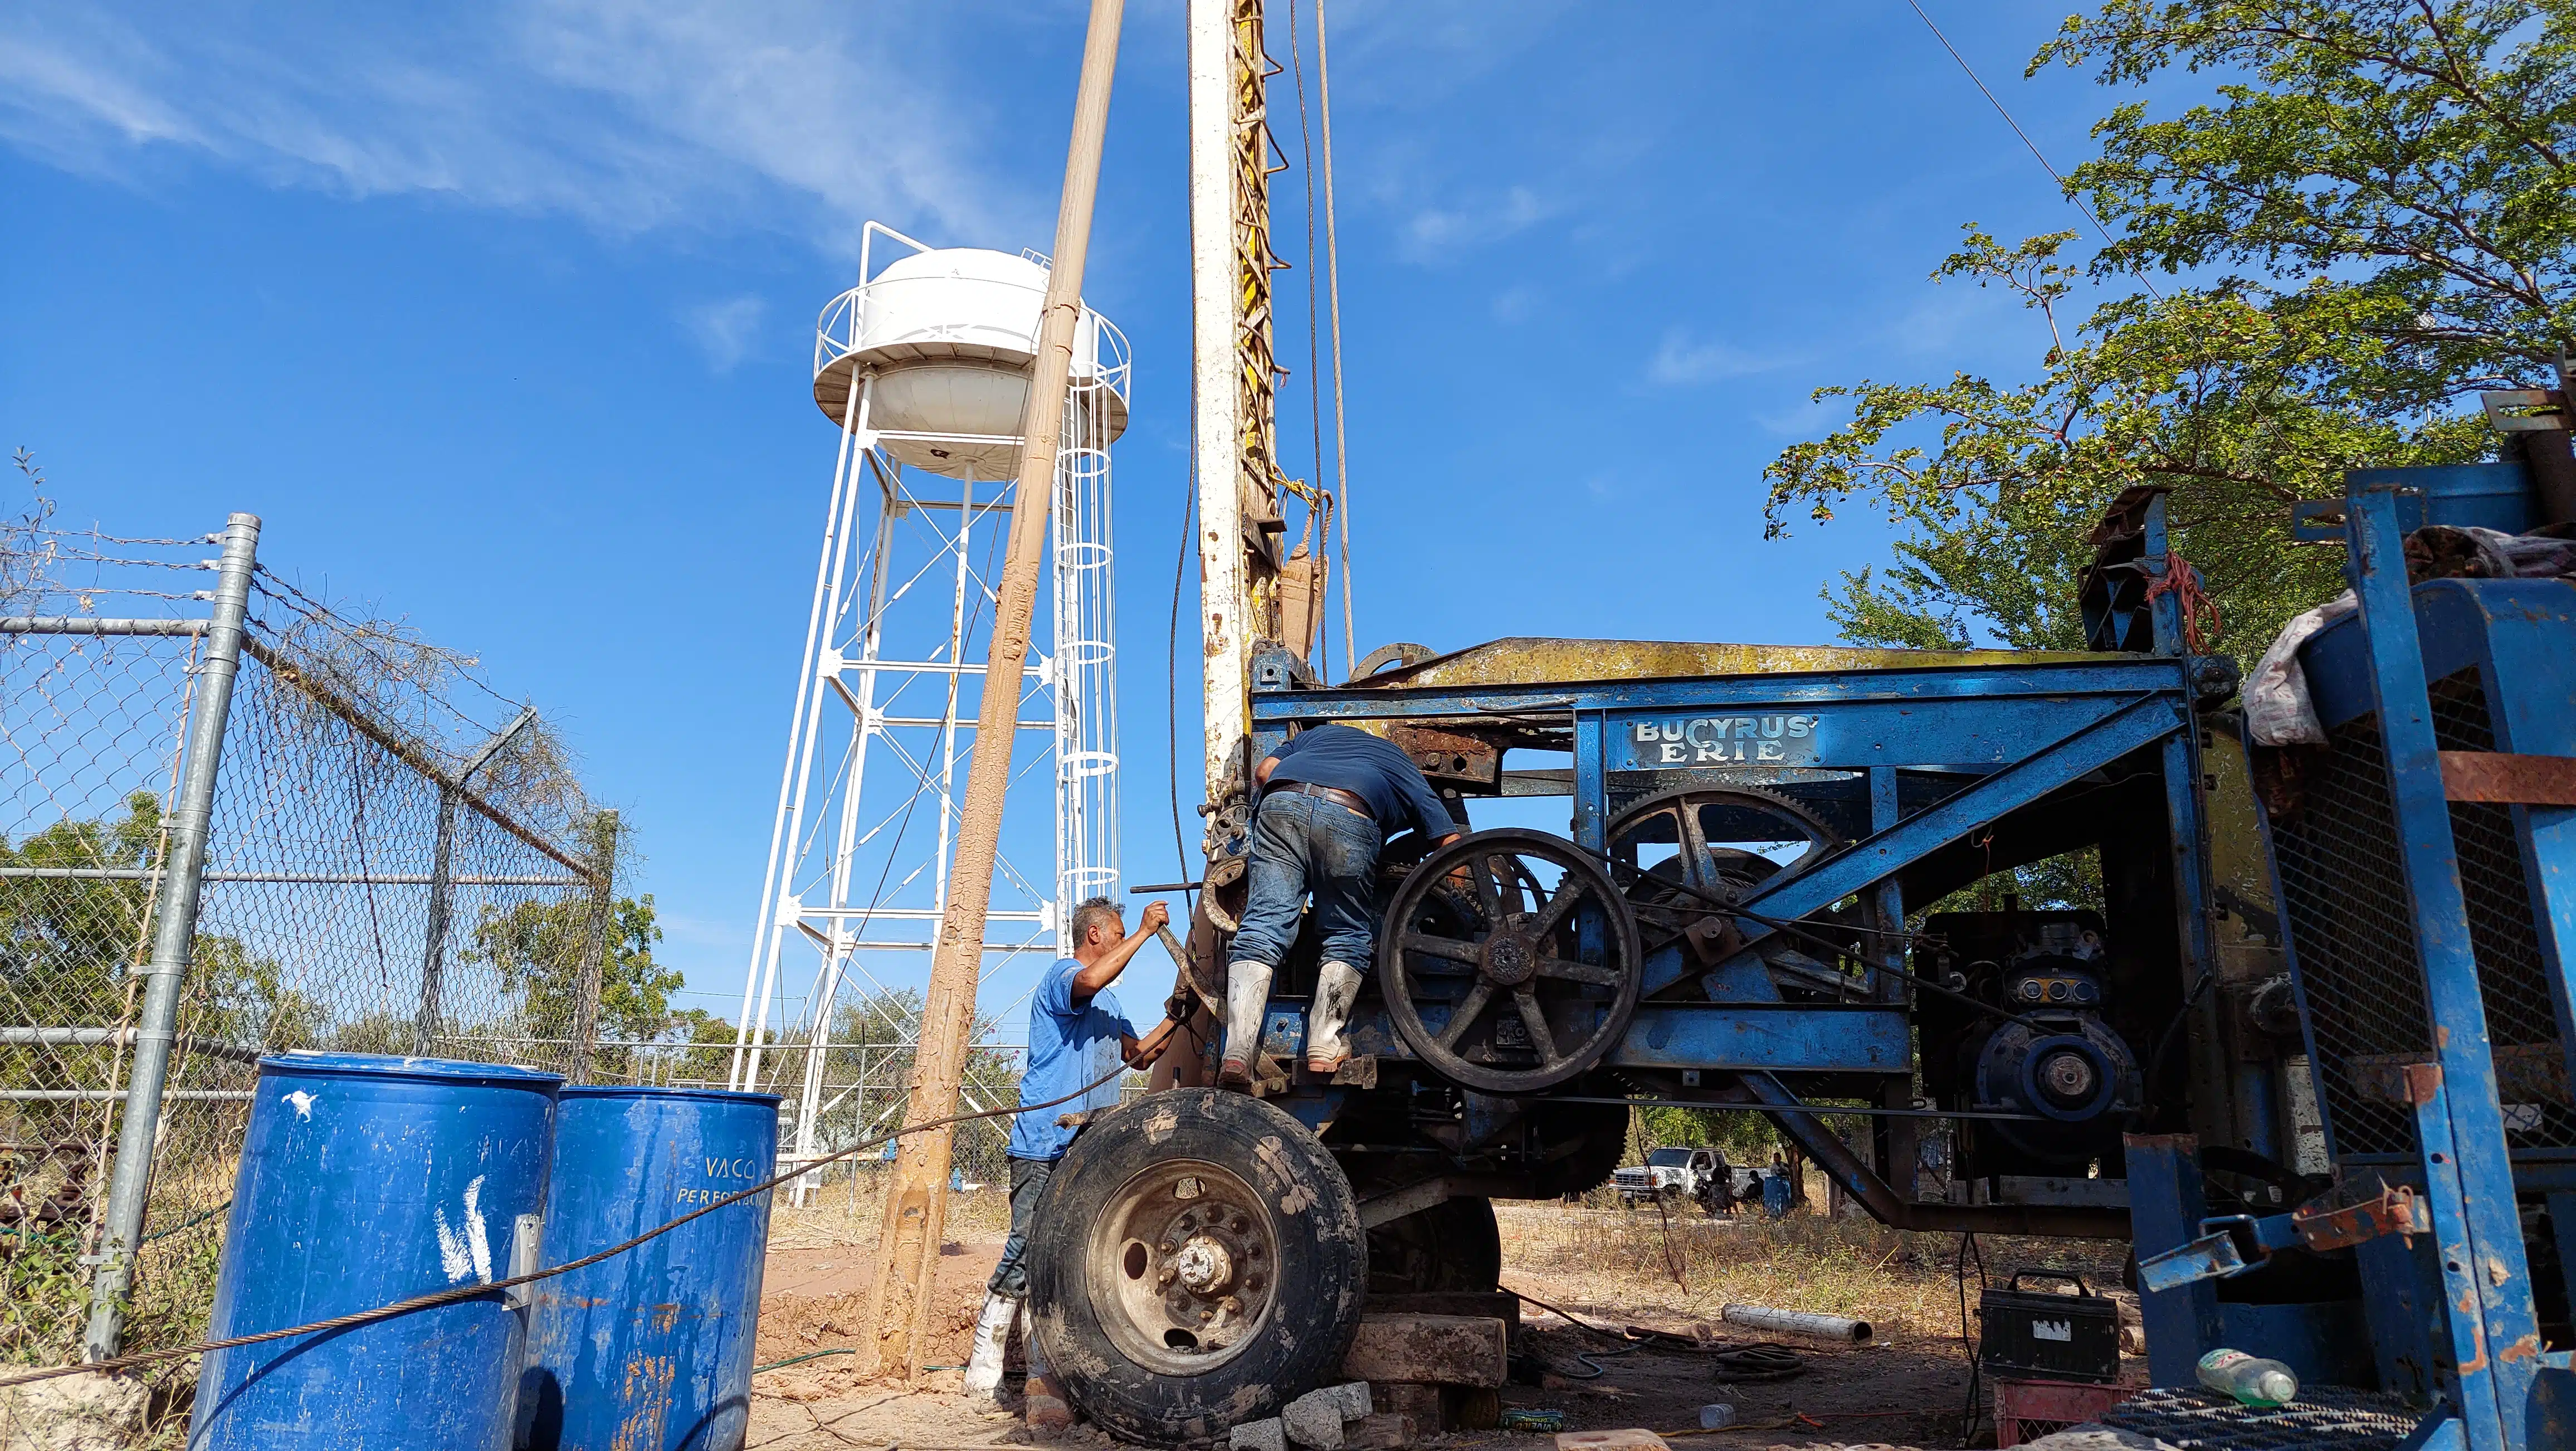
(2493, 1331)
(2015, 733)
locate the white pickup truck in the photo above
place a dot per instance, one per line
(1673, 1175)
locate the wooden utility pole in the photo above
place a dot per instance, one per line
(917, 1202)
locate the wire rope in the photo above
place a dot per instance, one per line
(1997, 102)
(1333, 289)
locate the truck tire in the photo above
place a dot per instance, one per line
(1196, 1262)
(1452, 1246)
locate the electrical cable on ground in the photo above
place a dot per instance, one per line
(1968, 1410)
(460, 1293)
(1766, 1360)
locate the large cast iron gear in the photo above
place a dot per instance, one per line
(1705, 824)
(1502, 984)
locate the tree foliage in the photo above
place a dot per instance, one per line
(2370, 221)
(541, 949)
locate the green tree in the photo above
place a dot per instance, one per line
(541, 949)
(2370, 221)
(711, 1042)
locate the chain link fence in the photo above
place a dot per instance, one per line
(372, 852)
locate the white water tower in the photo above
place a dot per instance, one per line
(924, 367)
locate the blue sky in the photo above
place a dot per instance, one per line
(501, 316)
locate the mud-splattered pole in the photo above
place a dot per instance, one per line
(916, 1206)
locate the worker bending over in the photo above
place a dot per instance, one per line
(1077, 1037)
(1329, 799)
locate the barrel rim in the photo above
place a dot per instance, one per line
(656, 1090)
(393, 1065)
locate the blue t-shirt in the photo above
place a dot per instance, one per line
(1069, 1045)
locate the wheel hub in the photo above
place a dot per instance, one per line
(1186, 1265)
(1509, 958)
(1204, 1267)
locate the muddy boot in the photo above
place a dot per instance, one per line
(984, 1365)
(1337, 984)
(1049, 1416)
(1247, 992)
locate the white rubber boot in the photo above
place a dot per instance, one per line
(992, 1334)
(1337, 985)
(1247, 992)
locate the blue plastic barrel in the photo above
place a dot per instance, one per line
(650, 1350)
(1775, 1193)
(366, 1180)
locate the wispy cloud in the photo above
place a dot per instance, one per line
(726, 330)
(1517, 303)
(1431, 231)
(625, 114)
(1808, 416)
(1683, 360)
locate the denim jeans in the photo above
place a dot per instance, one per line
(1303, 844)
(1028, 1181)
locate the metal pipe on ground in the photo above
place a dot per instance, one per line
(917, 1200)
(1796, 1322)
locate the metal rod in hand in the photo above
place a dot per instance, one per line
(174, 929)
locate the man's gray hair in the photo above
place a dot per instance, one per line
(1093, 912)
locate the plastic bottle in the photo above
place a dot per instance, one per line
(1716, 1416)
(2262, 1384)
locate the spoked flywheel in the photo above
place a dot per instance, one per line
(1694, 848)
(1509, 961)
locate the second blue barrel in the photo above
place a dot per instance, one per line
(650, 1350)
(367, 1180)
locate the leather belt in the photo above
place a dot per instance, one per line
(1350, 800)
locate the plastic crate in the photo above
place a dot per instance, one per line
(2026, 1410)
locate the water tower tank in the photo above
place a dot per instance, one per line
(946, 338)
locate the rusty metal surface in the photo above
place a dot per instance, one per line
(2394, 1210)
(1457, 757)
(1527, 660)
(2509, 780)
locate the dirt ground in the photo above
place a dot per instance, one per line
(1612, 1268)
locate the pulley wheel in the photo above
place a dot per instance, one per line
(1725, 841)
(1499, 981)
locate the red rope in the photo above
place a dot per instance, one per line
(2183, 582)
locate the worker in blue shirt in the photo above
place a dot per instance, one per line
(1329, 799)
(1078, 1040)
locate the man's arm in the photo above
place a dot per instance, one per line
(1104, 969)
(1141, 1052)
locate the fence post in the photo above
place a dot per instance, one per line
(594, 958)
(433, 956)
(433, 960)
(173, 937)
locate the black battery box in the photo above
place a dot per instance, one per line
(2048, 1335)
